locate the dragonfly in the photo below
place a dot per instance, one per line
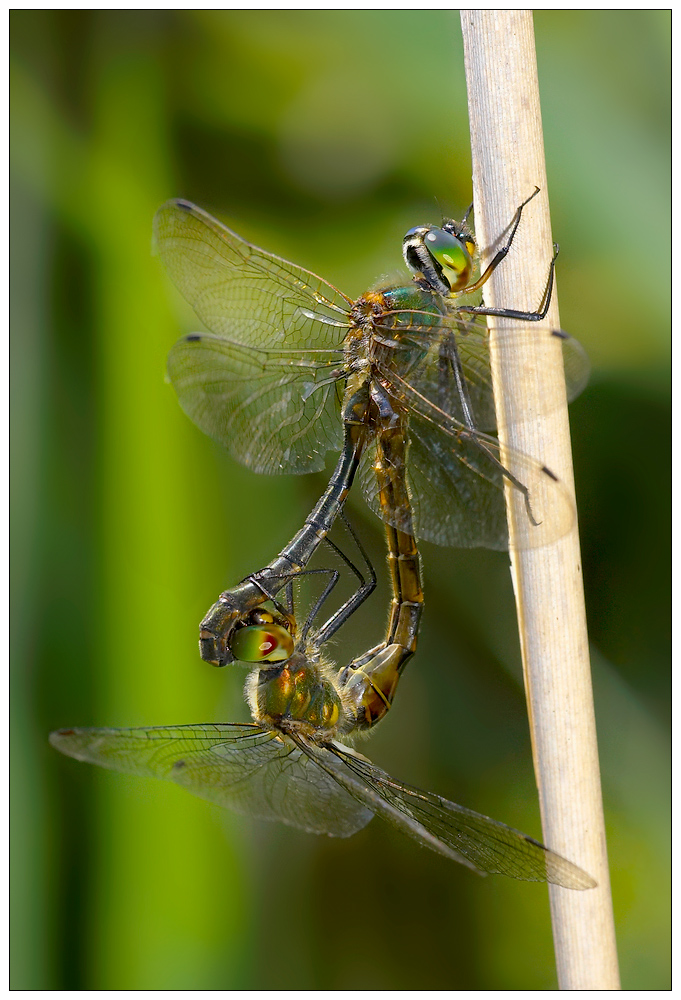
(294, 763)
(288, 354)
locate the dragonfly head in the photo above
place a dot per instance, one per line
(262, 637)
(443, 256)
(228, 634)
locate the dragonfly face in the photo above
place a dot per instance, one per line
(264, 635)
(443, 257)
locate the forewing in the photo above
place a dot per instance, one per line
(243, 293)
(262, 383)
(452, 830)
(242, 767)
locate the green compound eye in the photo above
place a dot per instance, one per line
(450, 253)
(258, 643)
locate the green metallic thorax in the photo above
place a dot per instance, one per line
(391, 325)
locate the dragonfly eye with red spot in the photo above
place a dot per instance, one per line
(261, 644)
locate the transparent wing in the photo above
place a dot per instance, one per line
(436, 365)
(278, 331)
(439, 343)
(456, 485)
(243, 293)
(456, 495)
(242, 767)
(273, 412)
(471, 342)
(477, 841)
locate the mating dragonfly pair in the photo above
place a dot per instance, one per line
(397, 382)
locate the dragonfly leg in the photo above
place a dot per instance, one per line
(265, 578)
(449, 362)
(379, 397)
(501, 253)
(539, 314)
(287, 580)
(507, 474)
(334, 576)
(366, 586)
(467, 214)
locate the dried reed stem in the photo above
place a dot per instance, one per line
(508, 162)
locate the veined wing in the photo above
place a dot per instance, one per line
(242, 767)
(456, 342)
(472, 839)
(456, 496)
(328, 790)
(262, 382)
(456, 483)
(245, 294)
(274, 411)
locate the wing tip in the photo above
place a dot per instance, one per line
(172, 205)
(577, 879)
(182, 203)
(560, 871)
(65, 741)
(58, 735)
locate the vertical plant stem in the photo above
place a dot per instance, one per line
(508, 162)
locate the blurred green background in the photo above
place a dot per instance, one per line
(323, 137)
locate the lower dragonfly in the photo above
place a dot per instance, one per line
(293, 764)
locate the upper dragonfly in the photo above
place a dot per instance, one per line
(292, 368)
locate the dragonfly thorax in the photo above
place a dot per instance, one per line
(386, 316)
(364, 313)
(297, 695)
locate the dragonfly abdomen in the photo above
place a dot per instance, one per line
(370, 681)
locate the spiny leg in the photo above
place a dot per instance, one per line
(532, 317)
(366, 587)
(501, 253)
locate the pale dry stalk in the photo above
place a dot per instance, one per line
(508, 162)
